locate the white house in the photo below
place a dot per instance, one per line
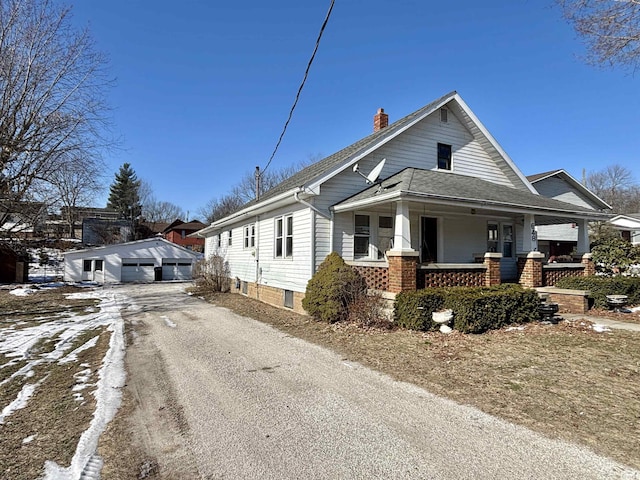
(431, 199)
(562, 239)
(139, 261)
(629, 226)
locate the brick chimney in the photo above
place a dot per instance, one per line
(380, 120)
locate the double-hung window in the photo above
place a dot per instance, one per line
(230, 238)
(249, 235)
(373, 236)
(284, 237)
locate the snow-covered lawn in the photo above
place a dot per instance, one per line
(68, 338)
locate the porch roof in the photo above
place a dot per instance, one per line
(446, 188)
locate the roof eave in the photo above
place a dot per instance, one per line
(469, 202)
(282, 199)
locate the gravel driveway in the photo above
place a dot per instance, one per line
(224, 396)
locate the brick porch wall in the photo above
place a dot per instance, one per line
(530, 269)
(402, 272)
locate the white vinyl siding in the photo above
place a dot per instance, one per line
(259, 264)
(418, 148)
(557, 188)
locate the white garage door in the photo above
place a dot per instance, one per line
(176, 269)
(137, 270)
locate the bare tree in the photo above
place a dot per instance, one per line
(610, 29)
(616, 185)
(245, 190)
(218, 208)
(75, 185)
(155, 211)
(52, 106)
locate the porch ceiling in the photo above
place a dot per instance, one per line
(449, 189)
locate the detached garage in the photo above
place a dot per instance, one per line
(146, 260)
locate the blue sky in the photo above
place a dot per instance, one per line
(203, 88)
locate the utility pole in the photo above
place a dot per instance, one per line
(257, 183)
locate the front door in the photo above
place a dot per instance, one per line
(428, 239)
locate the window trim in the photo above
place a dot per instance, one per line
(374, 253)
(249, 236)
(283, 236)
(447, 159)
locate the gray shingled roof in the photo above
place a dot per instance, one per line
(537, 176)
(316, 170)
(450, 186)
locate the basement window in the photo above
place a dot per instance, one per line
(288, 298)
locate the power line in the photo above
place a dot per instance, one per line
(306, 74)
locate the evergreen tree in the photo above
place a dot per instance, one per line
(124, 195)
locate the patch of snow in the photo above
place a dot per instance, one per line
(21, 400)
(168, 322)
(73, 356)
(22, 291)
(600, 328)
(510, 329)
(29, 439)
(108, 394)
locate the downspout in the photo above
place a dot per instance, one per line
(313, 226)
(257, 250)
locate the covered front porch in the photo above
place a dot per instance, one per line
(401, 238)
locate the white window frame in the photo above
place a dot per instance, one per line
(283, 236)
(501, 240)
(249, 236)
(374, 252)
(230, 237)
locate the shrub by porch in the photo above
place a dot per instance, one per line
(476, 309)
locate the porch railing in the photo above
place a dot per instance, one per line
(553, 272)
(451, 275)
(375, 274)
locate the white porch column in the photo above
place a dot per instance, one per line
(402, 232)
(583, 237)
(529, 234)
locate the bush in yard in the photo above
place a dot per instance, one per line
(413, 309)
(369, 310)
(599, 287)
(616, 256)
(479, 309)
(475, 309)
(332, 289)
(213, 274)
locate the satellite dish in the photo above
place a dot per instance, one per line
(373, 175)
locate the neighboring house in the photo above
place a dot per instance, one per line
(449, 207)
(22, 219)
(105, 231)
(558, 240)
(178, 232)
(629, 227)
(140, 261)
(76, 215)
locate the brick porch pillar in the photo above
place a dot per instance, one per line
(402, 270)
(492, 262)
(531, 274)
(589, 266)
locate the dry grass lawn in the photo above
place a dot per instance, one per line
(566, 381)
(50, 425)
